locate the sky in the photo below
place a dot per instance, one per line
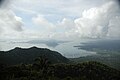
(59, 19)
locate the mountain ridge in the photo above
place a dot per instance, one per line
(27, 55)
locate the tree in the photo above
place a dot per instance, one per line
(42, 64)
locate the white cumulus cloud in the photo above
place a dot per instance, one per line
(9, 21)
(61, 19)
(43, 23)
(95, 22)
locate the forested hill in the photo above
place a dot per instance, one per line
(35, 64)
(41, 70)
(28, 55)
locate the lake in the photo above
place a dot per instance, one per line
(69, 49)
(66, 48)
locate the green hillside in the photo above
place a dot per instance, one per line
(109, 58)
(27, 56)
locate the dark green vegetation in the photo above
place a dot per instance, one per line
(27, 56)
(110, 58)
(51, 66)
(43, 70)
(108, 52)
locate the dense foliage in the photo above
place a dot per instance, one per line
(110, 58)
(42, 69)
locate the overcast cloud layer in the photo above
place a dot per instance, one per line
(59, 19)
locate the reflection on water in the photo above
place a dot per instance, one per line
(64, 47)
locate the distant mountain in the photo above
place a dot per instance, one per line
(49, 43)
(28, 55)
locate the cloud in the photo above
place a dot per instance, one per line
(4, 3)
(1, 2)
(61, 20)
(66, 24)
(40, 21)
(114, 27)
(118, 2)
(55, 7)
(9, 23)
(95, 22)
